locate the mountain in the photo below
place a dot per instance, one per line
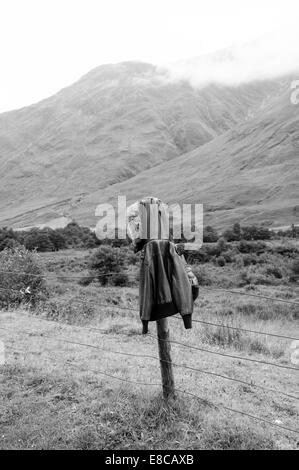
(249, 174)
(131, 129)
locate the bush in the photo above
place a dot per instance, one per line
(107, 260)
(251, 275)
(38, 240)
(249, 259)
(206, 253)
(210, 235)
(77, 236)
(202, 276)
(8, 238)
(86, 279)
(251, 247)
(221, 261)
(255, 233)
(120, 280)
(252, 232)
(230, 236)
(295, 267)
(228, 256)
(221, 245)
(21, 278)
(274, 271)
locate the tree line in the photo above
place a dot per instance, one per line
(76, 236)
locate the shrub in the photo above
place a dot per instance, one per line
(255, 233)
(206, 253)
(221, 261)
(228, 256)
(286, 249)
(107, 260)
(202, 276)
(274, 271)
(229, 235)
(251, 275)
(249, 259)
(210, 235)
(21, 278)
(251, 247)
(221, 245)
(8, 238)
(38, 240)
(295, 267)
(120, 280)
(252, 232)
(76, 236)
(86, 279)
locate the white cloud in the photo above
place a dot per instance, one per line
(270, 56)
(48, 44)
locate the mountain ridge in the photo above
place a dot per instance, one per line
(115, 123)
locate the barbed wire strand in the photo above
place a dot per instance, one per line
(261, 296)
(173, 316)
(77, 343)
(227, 355)
(196, 321)
(99, 372)
(205, 401)
(244, 413)
(222, 325)
(62, 276)
(267, 389)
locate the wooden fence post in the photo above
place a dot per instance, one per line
(165, 359)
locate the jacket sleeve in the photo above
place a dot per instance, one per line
(181, 286)
(192, 278)
(146, 292)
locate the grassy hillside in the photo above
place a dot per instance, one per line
(249, 174)
(113, 124)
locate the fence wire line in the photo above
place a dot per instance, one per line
(146, 356)
(61, 276)
(98, 372)
(222, 325)
(194, 320)
(226, 355)
(173, 316)
(77, 343)
(221, 289)
(202, 400)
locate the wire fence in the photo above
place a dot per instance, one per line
(146, 356)
(274, 299)
(197, 397)
(134, 382)
(286, 394)
(109, 274)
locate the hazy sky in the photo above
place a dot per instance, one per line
(48, 44)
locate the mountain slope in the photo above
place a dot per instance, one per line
(111, 125)
(248, 174)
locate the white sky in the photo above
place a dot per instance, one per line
(48, 44)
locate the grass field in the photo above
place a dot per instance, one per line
(53, 394)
